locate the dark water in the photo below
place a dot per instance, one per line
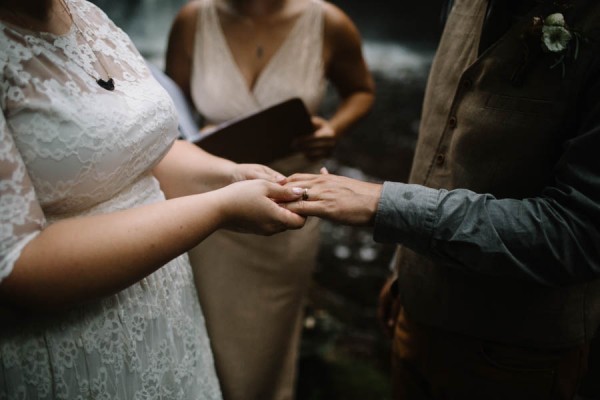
(344, 354)
(414, 22)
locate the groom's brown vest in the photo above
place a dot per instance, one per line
(493, 123)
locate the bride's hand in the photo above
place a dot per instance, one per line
(251, 206)
(242, 172)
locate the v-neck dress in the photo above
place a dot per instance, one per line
(220, 91)
(251, 287)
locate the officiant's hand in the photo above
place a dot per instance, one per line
(320, 143)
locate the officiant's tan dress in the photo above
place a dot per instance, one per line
(251, 287)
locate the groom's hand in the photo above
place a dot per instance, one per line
(336, 198)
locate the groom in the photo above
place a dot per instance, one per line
(497, 273)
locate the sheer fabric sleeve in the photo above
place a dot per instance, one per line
(21, 217)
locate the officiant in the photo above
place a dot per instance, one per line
(233, 58)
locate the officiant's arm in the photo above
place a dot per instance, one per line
(186, 169)
(346, 69)
(180, 49)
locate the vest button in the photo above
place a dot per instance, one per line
(452, 122)
(439, 159)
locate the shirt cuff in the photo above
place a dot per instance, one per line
(406, 214)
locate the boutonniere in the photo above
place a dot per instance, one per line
(559, 39)
(549, 35)
(555, 34)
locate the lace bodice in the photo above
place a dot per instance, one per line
(69, 148)
(79, 144)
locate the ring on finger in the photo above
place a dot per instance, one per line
(305, 194)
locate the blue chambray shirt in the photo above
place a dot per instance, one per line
(553, 239)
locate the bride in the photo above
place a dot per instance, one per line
(96, 294)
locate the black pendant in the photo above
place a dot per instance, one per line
(108, 85)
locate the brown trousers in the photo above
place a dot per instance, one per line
(429, 363)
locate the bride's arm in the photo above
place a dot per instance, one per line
(84, 258)
(80, 259)
(187, 169)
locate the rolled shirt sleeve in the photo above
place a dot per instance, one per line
(406, 214)
(553, 239)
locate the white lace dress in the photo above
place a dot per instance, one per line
(70, 148)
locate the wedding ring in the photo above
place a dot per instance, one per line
(305, 194)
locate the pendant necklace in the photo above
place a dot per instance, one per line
(260, 49)
(104, 84)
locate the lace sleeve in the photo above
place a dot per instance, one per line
(21, 217)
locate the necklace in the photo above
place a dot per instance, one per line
(104, 84)
(234, 7)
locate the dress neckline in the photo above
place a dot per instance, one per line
(26, 32)
(251, 88)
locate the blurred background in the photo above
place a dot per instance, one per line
(344, 354)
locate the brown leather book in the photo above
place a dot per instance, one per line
(261, 137)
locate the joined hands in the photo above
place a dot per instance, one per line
(336, 198)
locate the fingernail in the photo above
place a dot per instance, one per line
(297, 190)
(279, 178)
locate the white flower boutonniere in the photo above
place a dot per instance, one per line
(552, 36)
(558, 38)
(555, 35)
